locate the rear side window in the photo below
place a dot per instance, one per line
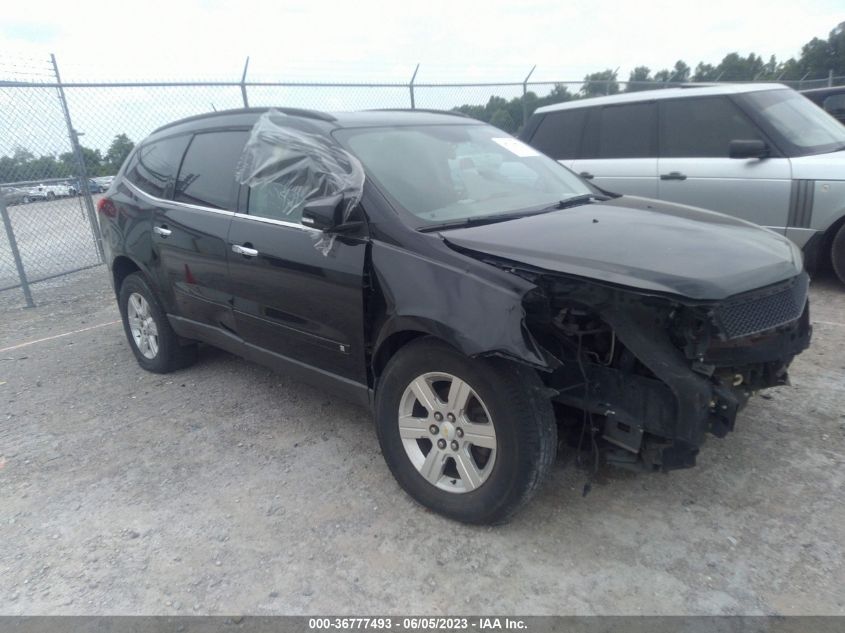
(702, 128)
(153, 167)
(559, 133)
(207, 175)
(628, 131)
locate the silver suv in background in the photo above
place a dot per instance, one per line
(760, 152)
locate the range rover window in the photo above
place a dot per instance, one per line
(153, 167)
(207, 175)
(628, 131)
(803, 127)
(559, 133)
(702, 127)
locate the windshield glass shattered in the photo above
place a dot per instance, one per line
(444, 173)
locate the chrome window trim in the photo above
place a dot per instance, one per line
(293, 225)
(135, 188)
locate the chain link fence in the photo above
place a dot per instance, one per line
(60, 142)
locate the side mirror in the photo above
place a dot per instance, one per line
(748, 149)
(323, 213)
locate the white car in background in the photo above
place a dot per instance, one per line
(50, 191)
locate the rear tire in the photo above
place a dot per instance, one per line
(153, 341)
(505, 426)
(837, 253)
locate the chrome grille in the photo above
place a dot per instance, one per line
(752, 314)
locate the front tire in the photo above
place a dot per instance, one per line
(837, 253)
(153, 341)
(472, 439)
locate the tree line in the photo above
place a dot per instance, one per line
(817, 59)
(24, 165)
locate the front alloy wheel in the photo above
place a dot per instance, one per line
(470, 438)
(447, 432)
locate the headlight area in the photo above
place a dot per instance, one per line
(642, 379)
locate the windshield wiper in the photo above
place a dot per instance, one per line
(504, 217)
(475, 221)
(576, 201)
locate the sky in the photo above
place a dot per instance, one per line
(369, 40)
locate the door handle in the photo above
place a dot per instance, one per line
(244, 250)
(673, 175)
(587, 175)
(162, 230)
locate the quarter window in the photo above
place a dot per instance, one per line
(207, 175)
(153, 167)
(702, 127)
(559, 133)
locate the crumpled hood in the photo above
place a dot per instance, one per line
(644, 244)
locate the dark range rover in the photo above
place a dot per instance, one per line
(475, 293)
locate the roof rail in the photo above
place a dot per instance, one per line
(298, 112)
(429, 110)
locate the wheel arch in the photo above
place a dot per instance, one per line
(123, 266)
(826, 244)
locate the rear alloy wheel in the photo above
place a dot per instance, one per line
(142, 326)
(837, 253)
(470, 438)
(153, 341)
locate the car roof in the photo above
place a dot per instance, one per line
(687, 91)
(829, 90)
(315, 120)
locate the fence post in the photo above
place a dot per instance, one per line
(801, 81)
(82, 174)
(411, 87)
(830, 78)
(13, 245)
(243, 83)
(524, 92)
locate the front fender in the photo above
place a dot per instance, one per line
(474, 307)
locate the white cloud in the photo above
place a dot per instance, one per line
(372, 40)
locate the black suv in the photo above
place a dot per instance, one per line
(480, 297)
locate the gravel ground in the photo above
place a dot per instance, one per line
(227, 489)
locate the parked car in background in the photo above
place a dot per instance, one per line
(103, 181)
(474, 292)
(831, 100)
(93, 187)
(759, 152)
(50, 191)
(14, 195)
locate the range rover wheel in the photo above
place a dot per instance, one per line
(471, 439)
(150, 336)
(837, 253)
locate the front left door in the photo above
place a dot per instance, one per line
(695, 168)
(292, 299)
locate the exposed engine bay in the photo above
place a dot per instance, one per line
(646, 377)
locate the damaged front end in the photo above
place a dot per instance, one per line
(646, 377)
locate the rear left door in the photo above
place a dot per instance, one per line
(190, 228)
(619, 149)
